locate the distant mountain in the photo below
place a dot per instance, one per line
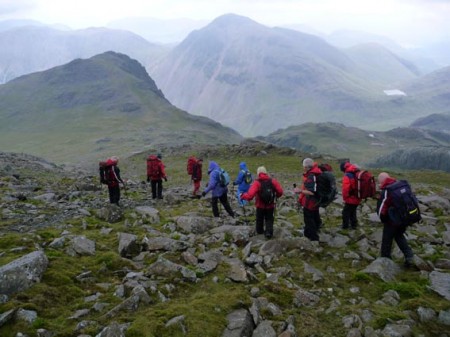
(29, 49)
(91, 108)
(381, 65)
(437, 122)
(258, 79)
(434, 86)
(158, 30)
(360, 146)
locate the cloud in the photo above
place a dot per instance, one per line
(14, 6)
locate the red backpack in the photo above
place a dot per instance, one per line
(190, 165)
(102, 171)
(365, 184)
(153, 168)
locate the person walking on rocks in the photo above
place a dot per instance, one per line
(266, 190)
(155, 174)
(196, 176)
(391, 230)
(350, 195)
(112, 173)
(243, 182)
(309, 200)
(218, 188)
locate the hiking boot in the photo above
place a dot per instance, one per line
(268, 236)
(409, 262)
(344, 226)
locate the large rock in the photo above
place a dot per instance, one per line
(240, 324)
(22, 273)
(112, 213)
(150, 213)
(128, 245)
(440, 283)
(194, 224)
(80, 245)
(384, 268)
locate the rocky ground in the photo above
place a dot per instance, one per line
(73, 265)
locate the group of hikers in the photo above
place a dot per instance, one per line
(397, 206)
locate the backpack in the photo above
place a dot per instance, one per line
(405, 207)
(326, 189)
(224, 178)
(102, 172)
(248, 177)
(365, 185)
(153, 169)
(190, 165)
(267, 191)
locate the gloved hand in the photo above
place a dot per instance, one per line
(165, 179)
(203, 194)
(148, 179)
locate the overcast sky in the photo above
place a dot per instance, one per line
(407, 21)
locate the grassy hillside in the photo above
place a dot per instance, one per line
(78, 294)
(359, 145)
(90, 108)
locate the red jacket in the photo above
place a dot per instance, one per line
(385, 202)
(349, 192)
(197, 171)
(256, 187)
(309, 183)
(155, 168)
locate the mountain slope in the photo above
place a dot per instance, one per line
(89, 108)
(359, 145)
(247, 75)
(35, 48)
(437, 122)
(258, 79)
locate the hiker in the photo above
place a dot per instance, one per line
(112, 174)
(350, 195)
(219, 190)
(391, 231)
(155, 174)
(196, 175)
(266, 190)
(243, 181)
(309, 201)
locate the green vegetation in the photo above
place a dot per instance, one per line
(205, 304)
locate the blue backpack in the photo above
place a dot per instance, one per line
(224, 178)
(405, 207)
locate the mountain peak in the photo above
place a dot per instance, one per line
(232, 20)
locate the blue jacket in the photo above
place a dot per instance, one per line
(240, 180)
(214, 179)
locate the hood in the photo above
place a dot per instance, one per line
(152, 157)
(315, 170)
(350, 168)
(212, 166)
(243, 166)
(263, 176)
(387, 182)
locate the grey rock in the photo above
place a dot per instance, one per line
(113, 330)
(179, 322)
(28, 316)
(443, 263)
(384, 268)
(444, 317)
(22, 273)
(195, 224)
(111, 213)
(166, 268)
(305, 298)
(149, 213)
(80, 245)
(237, 270)
(397, 330)
(264, 329)
(7, 316)
(426, 314)
(163, 243)
(128, 245)
(440, 283)
(240, 324)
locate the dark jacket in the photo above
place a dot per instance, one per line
(256, 187)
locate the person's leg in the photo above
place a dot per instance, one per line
(269, 219)
(224, 200)
(386, 241)
(214, 205)
(111, 194)
(153, 184)
(402, 243)
(310, 225)
(345, 216)
(259, 221)
(353, 216)
(159, 184)
(196, 187)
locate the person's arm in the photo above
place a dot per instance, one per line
(253, 190)
(212, 182)
(278, 188)
(239, 178)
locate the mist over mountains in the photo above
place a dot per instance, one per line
(247, 76)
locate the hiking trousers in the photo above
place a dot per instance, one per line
(114, 194)
(349, 216)
(196, 186)
(156, 188)
(224, 201)
(397, 233)
(312, 224)
(265, 216)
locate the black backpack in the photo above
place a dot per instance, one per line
(405, 209)
(326, 188)
(248, 177)
(267, 191)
